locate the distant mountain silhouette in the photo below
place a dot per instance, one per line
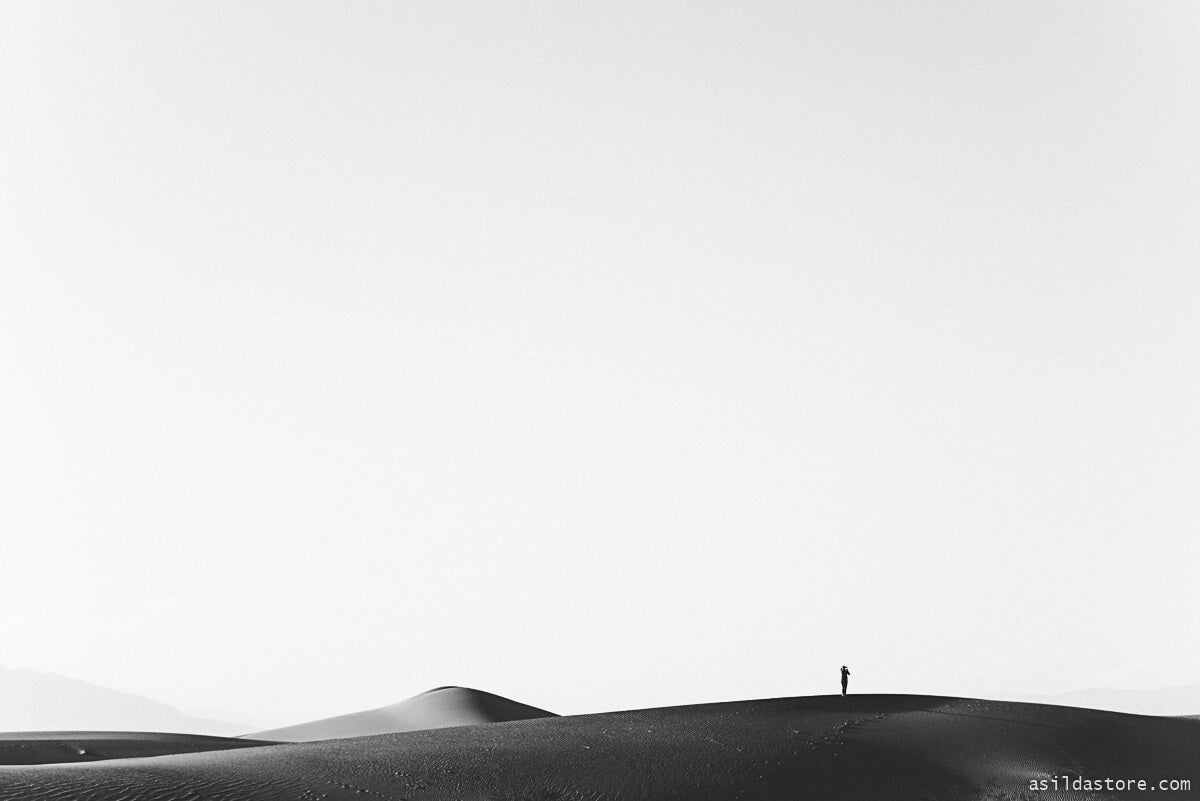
(1180, 701)
(439, 708)
(35, 701)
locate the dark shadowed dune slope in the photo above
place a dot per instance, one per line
(823, 748)
(435, 709)
(45, 747)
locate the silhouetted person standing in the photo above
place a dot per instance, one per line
(845, 678)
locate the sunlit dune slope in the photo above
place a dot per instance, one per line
(435, 709)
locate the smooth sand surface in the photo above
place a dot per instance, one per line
(435, 709)
(46, 747)
(824, 748)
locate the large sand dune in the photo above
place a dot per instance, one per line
(887, 747)
(435, 709)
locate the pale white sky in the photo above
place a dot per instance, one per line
(600, 355)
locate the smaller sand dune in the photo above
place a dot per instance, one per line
(436, 709)
(56, 747)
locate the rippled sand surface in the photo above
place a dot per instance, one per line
(825, 747)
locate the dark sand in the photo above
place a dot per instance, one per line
(46, 747)
(888, 747)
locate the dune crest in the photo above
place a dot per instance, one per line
(439, 708)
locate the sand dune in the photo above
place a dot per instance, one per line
(824, 747)
(47, 747)
(435, 709)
